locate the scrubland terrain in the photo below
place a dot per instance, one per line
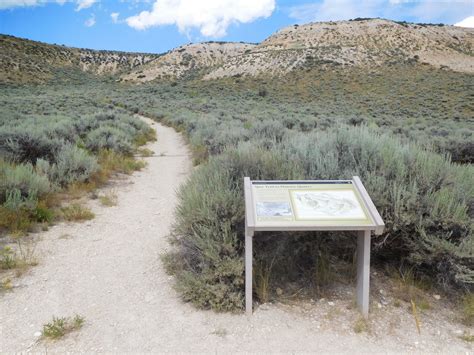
(395, 109)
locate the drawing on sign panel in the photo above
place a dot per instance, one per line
(273, 209)
(337, 204)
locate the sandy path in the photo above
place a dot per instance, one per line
(108, 270)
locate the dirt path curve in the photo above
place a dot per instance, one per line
(108, 270)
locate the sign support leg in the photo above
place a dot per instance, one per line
(248, 271)
(363, 271)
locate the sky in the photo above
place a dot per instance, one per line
(156, 26)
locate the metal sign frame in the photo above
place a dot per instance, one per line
(373, 224)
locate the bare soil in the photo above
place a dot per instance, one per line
(108, 270)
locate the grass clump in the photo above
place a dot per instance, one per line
(145, 152)
(262, 277)
(467, 337)
(60, 326)
(361, 326)
(6, 284)
(111, 162)
(76, 212)
(18, 256)
(7, 258)
(467, 310)
(109, 199)
(410, 287)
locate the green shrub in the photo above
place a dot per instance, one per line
(23, 181)
(423, 198)
(209, 226)
(72, 165)
(110, 138)
(26, 145)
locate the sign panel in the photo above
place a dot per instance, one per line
(308, 203)
(318, 205)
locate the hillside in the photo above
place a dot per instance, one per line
(365, 43)
(189, 58)
(24, 61)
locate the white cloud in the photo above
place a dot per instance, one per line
(467, 22)
(211, 17)
(90, 21)
(10, 4)
(413, 10)
(84, 4)
(114, 16)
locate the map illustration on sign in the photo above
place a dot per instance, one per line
(273, 209)
(328, 204)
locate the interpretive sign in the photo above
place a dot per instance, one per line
(317, 205)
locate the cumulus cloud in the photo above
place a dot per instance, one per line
(114, 16)
(414, 10)
(467, 22)
(84, 4)
(90, 21)
(211, 17)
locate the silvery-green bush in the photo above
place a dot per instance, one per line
(39, 154)
(425, 200)
(111, 138)
(72, 165)
(23, 179)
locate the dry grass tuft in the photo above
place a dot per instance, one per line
(467, 310)
(76, 212)
(361, 326)
(145, 152)
(109, 199)
(263, 273)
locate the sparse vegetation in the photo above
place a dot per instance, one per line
(6, 284)
(109, 199)
(467, 309)
(60, 326)
(262, 278)
(76, 212)
(18, 256)
(7, 258)
(467, 337)
(361, 326)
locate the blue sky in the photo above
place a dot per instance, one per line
(159, 25)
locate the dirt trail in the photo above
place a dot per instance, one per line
(109, 271)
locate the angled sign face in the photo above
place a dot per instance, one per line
(317, 205)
